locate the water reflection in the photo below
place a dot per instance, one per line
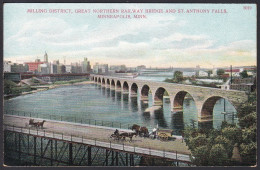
(118, 97)
(113, 95)
(134, 104)
(177, 122)
(103, 89)
(108, 92)
(144, 105)
(125, 101)
(158, 115)
(205, 125)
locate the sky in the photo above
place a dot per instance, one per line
(159, 40)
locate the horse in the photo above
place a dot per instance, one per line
(129, 135)
(135, 128)
(31, 122)
(144, 131)
(140, 130)
(115, 135)
(40, 124)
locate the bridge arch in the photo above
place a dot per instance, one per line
(158, 96)
(108, 82)
(125, 87)
(113, 85)
(99, 80)
(103, 81)
(118, 84)
(134, 89)
(145, 91)
(179, 99)
(95, 79)
(206, 113)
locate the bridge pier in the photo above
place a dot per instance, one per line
(157, 102)
(133, 94)
(205, 118)
(112, 87)
(144, 98)
(125, 91)
(177, 109)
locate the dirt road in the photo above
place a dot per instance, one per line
(99, 133)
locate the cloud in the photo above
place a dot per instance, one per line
(157, 40)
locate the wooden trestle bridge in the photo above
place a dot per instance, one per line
(54, 145)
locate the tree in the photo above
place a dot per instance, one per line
(218, 155)
(228, 145)
(246, 109)
(232, 133)
(248, 153)
(199, 140)
(201, 155)
(244, 74)
(8, 86)
(209, 73)
(178, 76)
(247, 121)
(220, 72)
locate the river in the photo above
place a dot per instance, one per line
(94, 102)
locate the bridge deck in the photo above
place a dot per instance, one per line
(99, 136)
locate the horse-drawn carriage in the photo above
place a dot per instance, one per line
(161, 134)
(164, 134)
(36, 124)
(122, 136)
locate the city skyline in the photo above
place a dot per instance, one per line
(161, 40)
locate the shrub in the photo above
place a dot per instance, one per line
(218, 155)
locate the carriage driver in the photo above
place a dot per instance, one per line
(116, 132)
(153, 133)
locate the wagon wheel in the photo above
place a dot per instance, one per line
(110, 137)
(113, 137)
(163, 137)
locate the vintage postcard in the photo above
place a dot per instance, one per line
(129, 84)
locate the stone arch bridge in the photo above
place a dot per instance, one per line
(205, 98)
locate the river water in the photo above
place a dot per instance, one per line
(92, 101)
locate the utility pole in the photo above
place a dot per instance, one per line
(231, 74)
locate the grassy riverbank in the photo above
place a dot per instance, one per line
(12, 89)
(70, 81)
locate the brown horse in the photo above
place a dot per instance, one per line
(135, 128)
(140, 130)
(129, 135)
(31, 122)
(40, 124)
(144, 131)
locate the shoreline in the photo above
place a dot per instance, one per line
(48, 87)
